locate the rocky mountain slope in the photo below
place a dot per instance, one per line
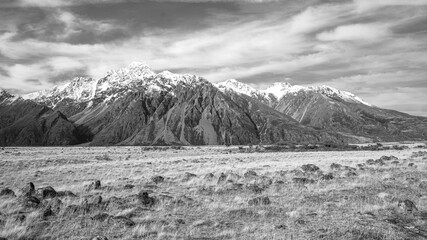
(330, 109)
(136, 106)
(24, 122)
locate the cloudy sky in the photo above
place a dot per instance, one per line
(376, 49)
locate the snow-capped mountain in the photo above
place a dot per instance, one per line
(137, 76)
(281, 89)
(137, 106)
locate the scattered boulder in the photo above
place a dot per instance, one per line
(29, 201)
(47, 212)
(411, 164)
(100, 217)
(55, 204)
(46, 192)
(250, 174)
(228, 177)
(123, 221)
(303, 180)
(99, 238)
(29, 189)
(96, 200)
(128, 186)
(335, 167)
(182, 201)
(407, 205)
(209, 176)
(349, 173)
(361, 166)
(310, 168)
(254, 188)
(188, 176)
(7, 192)
(423, 185)
(327, 177)
(157, 179)
(388, 158)
(145, 200)
(259, 201)
(370, 162)
(65, 194)
(95, 185)
(395, 162)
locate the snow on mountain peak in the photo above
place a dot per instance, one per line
(280, 89)
(333, 92)
(136, 76)
(237, 86)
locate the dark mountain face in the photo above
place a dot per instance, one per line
(189, 114)
(352, 119)
(135, 106)
(26, 123)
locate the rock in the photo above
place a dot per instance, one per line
(123, 221)
(182, 201)
(423, 185)
(100, 217)
(229, 177)
(250, 174)
(407, 205)
(395, 162)
(95, 185)
(281, 226)
(7, 192)
(388, 158)
(264, 181)
(29, 189)
(379, 162)
(188, 176)
(411, 164)
(327, 177)
(145, 200)
(348, 174)
(360, 165)
(254, 188)
(99, 238)
(128, 186)
(96, 200)
(259, 201)
(335, 166)
(46, 192)
(302, 180)
(209, 176)
(370, 162)
(222, 178)
(55, 204)
(47, 212)
(310, 168)
(65, 194)
(158, 179)
(30, 201)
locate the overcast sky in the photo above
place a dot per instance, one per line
(376, 49)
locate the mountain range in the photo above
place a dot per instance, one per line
(136, 106)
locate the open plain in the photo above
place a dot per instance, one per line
(211, 193)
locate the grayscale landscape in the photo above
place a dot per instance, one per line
(213, 193)
(213, 119)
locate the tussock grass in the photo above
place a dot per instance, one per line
(363, 206)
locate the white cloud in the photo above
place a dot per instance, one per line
(356, 32)
(365, 5)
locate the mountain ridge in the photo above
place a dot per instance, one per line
(137, 106)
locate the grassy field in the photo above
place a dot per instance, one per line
(212, 193)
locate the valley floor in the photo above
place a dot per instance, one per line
(211, 193)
